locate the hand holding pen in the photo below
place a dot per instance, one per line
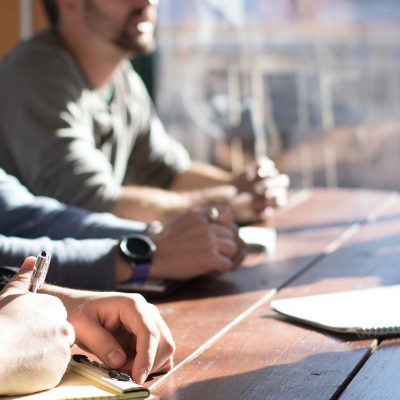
(36, 337)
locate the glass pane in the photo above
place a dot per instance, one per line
(313, 83)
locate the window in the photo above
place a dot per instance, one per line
(313, 83)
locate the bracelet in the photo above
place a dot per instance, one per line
(140, 272)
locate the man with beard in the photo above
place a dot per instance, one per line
(78, 125)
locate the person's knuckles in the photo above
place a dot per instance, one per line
(68, 331)
(163, 365)
(223, 231)
(165, 351)
(136, 300)
(167, 366)
(224, 266)
(149, 325)
(221, 264)
(228, 247)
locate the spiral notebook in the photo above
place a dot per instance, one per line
(85, 379)
(366, 312)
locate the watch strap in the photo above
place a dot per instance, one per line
(140, 271)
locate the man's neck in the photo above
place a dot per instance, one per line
(97, 59)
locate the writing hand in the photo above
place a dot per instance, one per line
(123, 330)
(35, 337)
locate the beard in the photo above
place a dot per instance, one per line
(122, 37)
(138, 45)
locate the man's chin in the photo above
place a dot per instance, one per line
(141, 46)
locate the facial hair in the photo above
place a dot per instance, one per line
(102, 24)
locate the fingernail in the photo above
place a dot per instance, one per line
(115, 358)
(142, 376)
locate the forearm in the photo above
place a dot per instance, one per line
(199, 176)
(149, 204)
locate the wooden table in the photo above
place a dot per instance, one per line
(231, 345)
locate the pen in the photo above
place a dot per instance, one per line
(39, 271)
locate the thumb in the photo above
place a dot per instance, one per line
(19, 284)
(226, 217)
(101, 343)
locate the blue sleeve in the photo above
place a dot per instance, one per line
(30, 224)
(25, 215)
(81, 264)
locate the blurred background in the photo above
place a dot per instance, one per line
(315, 84)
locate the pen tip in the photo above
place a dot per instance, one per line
(43, 253)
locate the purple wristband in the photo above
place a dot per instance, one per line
(140, 272)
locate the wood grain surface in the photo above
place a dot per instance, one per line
(230, 345)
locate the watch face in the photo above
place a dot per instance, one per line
(137, 248)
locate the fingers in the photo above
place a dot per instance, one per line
(225, 217)
(146, 349)
(265, 168)
(271, 198)
(270, 193)
(168, 365)
(226, 247)
(240, 252)
(206, 242)
(280, 181)
(165, 346)
(127, 333)
(154, 343)
(19, 284)
(230, 248)
(94, 337)
(27, 266)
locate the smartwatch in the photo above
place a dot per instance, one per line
(138, 250)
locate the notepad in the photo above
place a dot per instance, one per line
(259, 238)
(90, 382)
(152, 287)
(367, 312)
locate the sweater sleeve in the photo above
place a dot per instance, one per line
(81, 264)
(25, 215)
(29, 224)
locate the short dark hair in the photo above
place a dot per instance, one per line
(51, 8)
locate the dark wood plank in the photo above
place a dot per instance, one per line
(204, 307)
(380, 376)
(369, 259)
(278, 359)
(266, 358)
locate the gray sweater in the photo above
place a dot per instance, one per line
(81, 243)
(65, 139)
